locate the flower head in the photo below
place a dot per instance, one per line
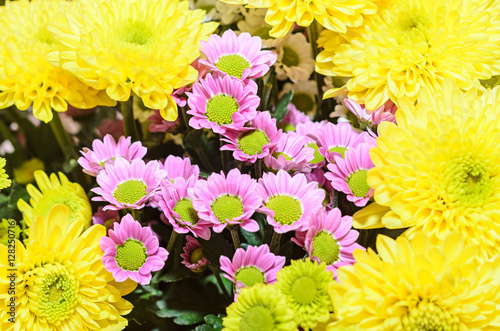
(304, 95)
(371, 119)
(127, 184)
(418, 285)
(260, 307)
(60, 282)
(222, 102)
(25, 173)
(4, 178)
(27, 79)
(292, 118)
(107, 150)
(335, 139)
(132, 251)
(227, 200)
(304, 284)
(256, 142)
(288, 201)
(193, 257)
(176, 167)
(55, 190)
(159, 124)
(145, 47)
(295, 60)
(106, 218)
(238, 56)
(255, 265)
(10, 230)
(310, 129)
(291, 153)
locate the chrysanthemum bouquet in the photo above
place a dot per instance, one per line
(250, 165)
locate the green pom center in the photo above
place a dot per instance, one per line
(317, 156)
(186, 211)
(303, 101)
(492, 82)
(262, 32)
(131, 255)
(287, 209)
(358, 184)
(325, 247)
(130, 191)
(257, 319)
(290, 57)
(467, 181)
(304, 290)
(429, 317)
(232, 64)
(137, 33)
(250, 276)
(251, 142)
(338, 149)
(220, 109)
(227, 207)
(197, 255)
(277, 154)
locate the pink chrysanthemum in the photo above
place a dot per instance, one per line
(335, 139)
(112, 127)
(107, 218)
(308, 130)
(331, 239)
(258, 139)
(106, 151)
(223, 201)
(318, 176)
(127, 184)
(132, 251)
(291, 153)
(176, 166)
(222, 102)
(179, 94)
(387, 112)
(252, 266)
(159, 124)
(238, 56)
(177, 206)
(349, 174)
(292, 118)
(288, 201)
(193, 257)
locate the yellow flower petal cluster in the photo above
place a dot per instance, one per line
(26, 77)
(52, 191)
(438, 170)
(415, 285)
(140, 46)
(4, 178)
(335, 15)
(60, 281)
(410, 44)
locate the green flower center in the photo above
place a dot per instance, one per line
(262, 32)
(44, 36)
(358, 184)
(304, 290)
(338, 149)
(250, 276)
(251, 142)
(286, 209)
(289, 127)
(186, 211)
(326, 248)
(137, 33)
(227, 207)
(303, 102)
(413, 27)
(492, 82)
(131, 255)
(338, 81)
(277, 154)
(467, 181)
(130, 191)
(290, 57)
(429, 317)
(220, 109)
(197, 255)
(76, 204)
(232, 64)
(257, 319)
(317, 156)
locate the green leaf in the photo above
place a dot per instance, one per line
(282, 106)
(189, 318)
(215, 321)
(176, 275)
(215, 247)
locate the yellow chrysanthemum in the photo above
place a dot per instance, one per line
(26, 77)
(335, 15)
(52, 191)
(409, 44)
(140, 46)
(4, 178)
(60, 281)
(25, 173)
(438, 170)
(415, 285)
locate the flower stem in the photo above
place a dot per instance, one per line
(335, 198)
(313, 34)
(258, 168)
(128, 119)
(216, 273)
(136, 214)
(171, 241)
(266, 93)
(223, 155)
(185, 118)
(235, 236)
(275, 243)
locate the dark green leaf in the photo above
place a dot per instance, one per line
(189, 318)
(282, 106)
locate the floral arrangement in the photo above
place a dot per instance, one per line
(250, 165)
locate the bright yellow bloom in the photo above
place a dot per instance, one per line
(25, 173)
(409, 44)
(4, 178)
(335, 15)
(60, 282)
(26, 78)
(415, 285)
(438, 170)
(140, 46)
(52, 191)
